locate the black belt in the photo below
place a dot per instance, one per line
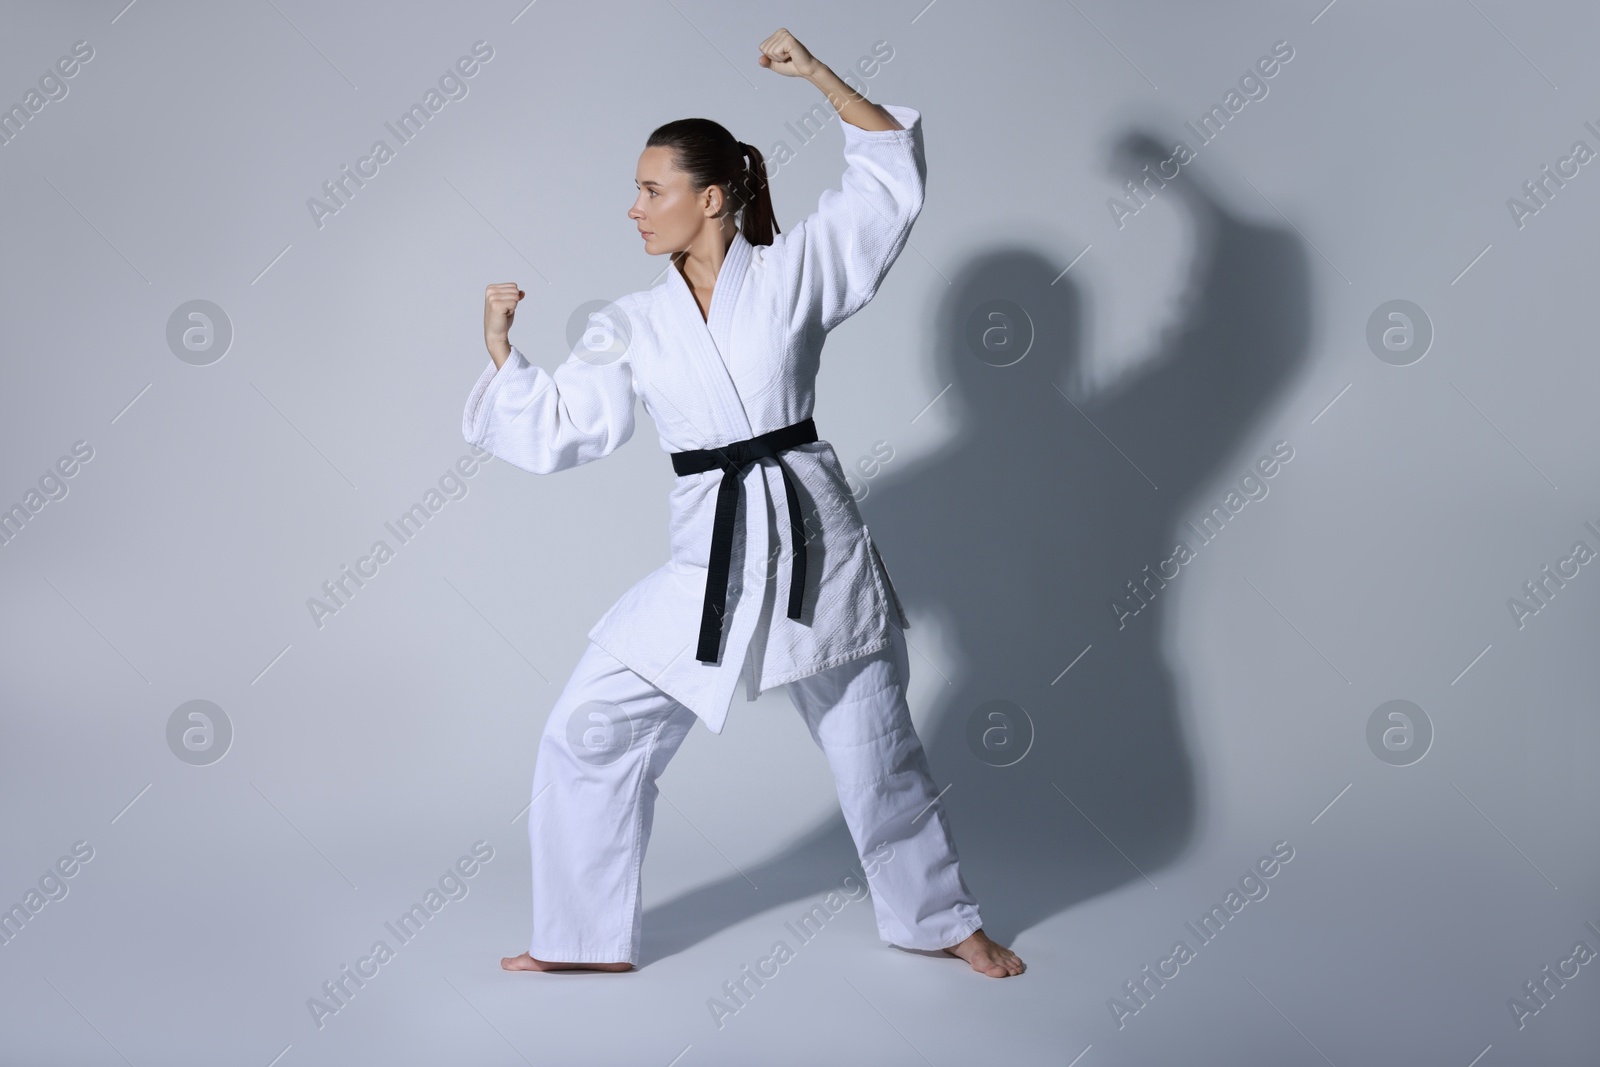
(733, 459)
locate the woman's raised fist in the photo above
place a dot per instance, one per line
(499, 309)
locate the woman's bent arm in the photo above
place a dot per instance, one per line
(543, 422)
(839, 255)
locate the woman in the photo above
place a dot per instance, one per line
(724, 354)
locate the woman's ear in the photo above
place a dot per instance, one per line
(714, 201)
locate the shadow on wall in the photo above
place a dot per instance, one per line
(1017, 536)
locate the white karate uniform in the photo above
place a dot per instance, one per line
(747, 369)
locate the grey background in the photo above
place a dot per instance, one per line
(1231, 714)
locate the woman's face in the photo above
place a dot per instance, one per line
(668, 213)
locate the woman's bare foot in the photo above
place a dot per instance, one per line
(526, 962)
(988, 957)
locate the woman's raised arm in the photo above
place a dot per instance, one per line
(840, 254)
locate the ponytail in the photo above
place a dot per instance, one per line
(759, 223)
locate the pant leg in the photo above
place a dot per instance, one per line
(608, 738)
(858, 715)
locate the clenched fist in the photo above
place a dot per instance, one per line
(782, 53)
(499, 309)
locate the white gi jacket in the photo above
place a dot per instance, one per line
(748, 368)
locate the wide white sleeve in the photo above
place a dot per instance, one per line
(543, 422)
(843, 250)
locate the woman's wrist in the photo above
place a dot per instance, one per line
(832, 86)
(499, 350)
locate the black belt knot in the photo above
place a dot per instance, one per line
(732, 459)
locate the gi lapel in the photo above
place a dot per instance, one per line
(725, 296)
(708, 339)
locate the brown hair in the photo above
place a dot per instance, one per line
(710, 155)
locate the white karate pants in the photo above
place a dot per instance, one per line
(611, 734)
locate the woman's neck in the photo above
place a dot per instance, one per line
(701, 262)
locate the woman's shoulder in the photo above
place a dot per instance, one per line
(626, 310)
